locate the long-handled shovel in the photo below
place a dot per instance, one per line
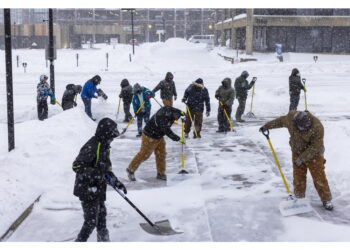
(183, 170)
(189, 114)
(118, 108)
(158, 102)
(228, 118)
(304, 82)
(250, 114)
(132, 119)
(158, 228)
(292, 205)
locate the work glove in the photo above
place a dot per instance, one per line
(175, 97)
(182, 140)
(149, 96)
(207, 113)
(121, 186)
(113, 181)
(298, 162)
(262, 129)
(44, 92)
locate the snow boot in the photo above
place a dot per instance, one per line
(139, 134)
(161, 176)
(240, 120)
(196, 136)
(328, 205)
(186, 135)
(131, 175)
(103, 237)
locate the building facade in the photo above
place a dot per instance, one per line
(298, 30)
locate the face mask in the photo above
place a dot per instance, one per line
(298, 74)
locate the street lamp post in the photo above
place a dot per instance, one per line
(132, 28)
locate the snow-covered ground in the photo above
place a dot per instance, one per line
(235, 189)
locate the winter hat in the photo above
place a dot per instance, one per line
(124, 83)
(107, 129)
(226, 82)
(96, 80)
(295, 71)
(302, 120)
(43, 77)
(199, 80)
(136, 89)
(169, 76)
(245, 74)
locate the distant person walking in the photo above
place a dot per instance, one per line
(43, 91)
(295, 86)
(126, 95)
(242, 87)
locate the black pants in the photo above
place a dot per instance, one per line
(294, 101)
(224, 125)
(42, 110)
(94, 216)
(142, 116)
(127, 113)
(241, 107)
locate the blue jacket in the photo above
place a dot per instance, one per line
(89, 90)
(136, 101)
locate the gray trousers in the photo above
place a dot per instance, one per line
(241, 107)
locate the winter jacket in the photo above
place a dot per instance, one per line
(69, 95)
(160, 123)
(167, 88)
(242, 87)
(126, 93)
(146, 94)
(93, 163)
(225, 93)
(89, 90)
(195, 96)
(43, 91)
(307, 145)
(295, 84)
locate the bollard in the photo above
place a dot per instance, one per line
(77, 56)
(107, 60)
(130, 57)
(17, 58)
(24, 66)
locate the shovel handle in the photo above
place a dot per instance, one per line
(266, 133)
(304, 80)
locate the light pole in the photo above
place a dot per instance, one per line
(132, 28)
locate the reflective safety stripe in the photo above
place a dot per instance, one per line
(76, 167)
(98, 153)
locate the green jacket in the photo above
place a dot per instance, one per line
(242, 87)
(307, 145)
(225, 93)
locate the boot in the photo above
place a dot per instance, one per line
(186, 135)
(328, 205)
(139, 134)
(161, 176)
(103, 236)
(131, 175)
(240, 120)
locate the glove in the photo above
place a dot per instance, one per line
(182, 140)
(45, 93)
(208, 113)
(74, 104)
(298, 162)
(149, 96)
(262, 129)
(121, 186)
(183, 113)
(175, 97)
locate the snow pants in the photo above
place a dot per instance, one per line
(197, 119)
(87, 104)
(95, 213)
(224, 125)
(127, 113)
(168, 102)
(241, 107)
(142, 116)
(316, 168)
(148, 146)
(294, 102)
(42, 110)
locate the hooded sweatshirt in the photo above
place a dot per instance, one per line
(225, 93)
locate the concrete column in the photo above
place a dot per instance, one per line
(222, 36)
(249, 33)
(233, 44)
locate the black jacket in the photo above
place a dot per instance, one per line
(126, 93)
(242, 87)
(93, 163)
(167, 88)
(195, 96)
(69, 96)
(295, 84)
(160, 123)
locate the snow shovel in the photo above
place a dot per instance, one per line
(132, 119)
(162, 227)
(118, 109)
(292, 205)
(228, 118)
(250, 114)
(304, 82)
(158, 102)
(189, 114)
(183, 170)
